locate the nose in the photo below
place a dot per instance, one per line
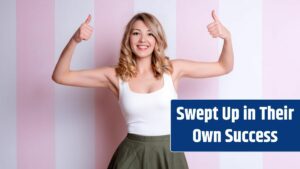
(142, 38)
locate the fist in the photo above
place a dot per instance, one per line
(216, 29)
(84, 32)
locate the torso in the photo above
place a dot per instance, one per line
(145, 84)
(147, 112)
(140, 84)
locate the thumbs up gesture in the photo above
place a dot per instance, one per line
(216, 29)
(84, 32)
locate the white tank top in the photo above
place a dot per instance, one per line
(148, 114)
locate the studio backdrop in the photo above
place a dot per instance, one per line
(44, 125)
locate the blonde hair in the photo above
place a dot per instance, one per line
(160, 63)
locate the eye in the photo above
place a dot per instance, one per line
(135, 33)
(150, 34)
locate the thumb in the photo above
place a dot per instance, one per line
(214, 15)
(88, 19)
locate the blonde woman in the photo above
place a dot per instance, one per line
(144, 81)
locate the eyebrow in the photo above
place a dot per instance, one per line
(140, 30)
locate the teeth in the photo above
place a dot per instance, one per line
(142, 47)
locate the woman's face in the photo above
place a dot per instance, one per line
(142, 41)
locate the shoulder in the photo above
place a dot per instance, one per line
(185, 68)
(110, 72)
(176, 64)
(111, 76)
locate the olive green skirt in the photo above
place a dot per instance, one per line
(147, 152)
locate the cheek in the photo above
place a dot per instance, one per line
(132, 42)
(152, 41)
(133, 39)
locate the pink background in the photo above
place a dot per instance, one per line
(48, 126)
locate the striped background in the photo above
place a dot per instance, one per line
(48, 126)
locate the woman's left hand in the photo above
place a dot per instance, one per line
(216, 29)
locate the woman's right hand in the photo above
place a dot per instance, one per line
(84, 32)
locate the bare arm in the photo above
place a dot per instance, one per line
(194, 69)
(84, 78)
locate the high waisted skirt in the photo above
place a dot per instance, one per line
(147, 152)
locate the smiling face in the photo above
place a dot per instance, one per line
(142, 40)
(144, 37)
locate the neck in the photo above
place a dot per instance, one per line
(143, 65)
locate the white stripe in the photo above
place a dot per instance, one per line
(8, 156)
(244, 20)
(74, 106)
(165, 12)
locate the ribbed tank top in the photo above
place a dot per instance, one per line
(148, 114)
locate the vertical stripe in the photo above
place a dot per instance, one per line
(244, 20)
(245, 160)
(281, 160)
(281, 35)
(74, 106)
(194, 43)
(35, 117)
(8, 156)
(165, 12)
(111, 19)
(281, 54)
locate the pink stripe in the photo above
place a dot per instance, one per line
(194, 43)
(281, 64)
(110, 20)
(281, 160)
(35, 51)
(281, 32)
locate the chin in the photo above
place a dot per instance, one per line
(143, 55)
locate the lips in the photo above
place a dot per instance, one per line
(142, 47)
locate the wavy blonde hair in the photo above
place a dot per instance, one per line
(160, 63)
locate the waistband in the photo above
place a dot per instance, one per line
(137, 137)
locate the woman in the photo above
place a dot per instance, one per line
(144, 81)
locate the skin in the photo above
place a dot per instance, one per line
(142, 41)
(145, 82)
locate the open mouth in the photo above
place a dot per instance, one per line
(142, 47)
